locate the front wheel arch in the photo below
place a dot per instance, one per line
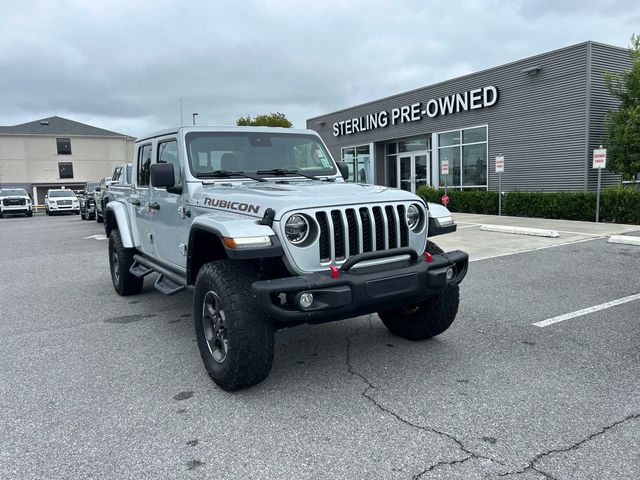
(204, 246)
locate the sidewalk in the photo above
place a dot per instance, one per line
(481, 245)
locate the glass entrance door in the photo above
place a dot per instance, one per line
(413, 171)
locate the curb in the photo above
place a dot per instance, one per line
(624, 239)
(536, 232)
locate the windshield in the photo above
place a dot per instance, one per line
(61, 193)
(6, 192)
(253, 151)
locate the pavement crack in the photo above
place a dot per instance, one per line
(573, 446)
(439, 464)
(370, 387)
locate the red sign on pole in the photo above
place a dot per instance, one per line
(445, 167)
(500, 164)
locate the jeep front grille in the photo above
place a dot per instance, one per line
(348, 231)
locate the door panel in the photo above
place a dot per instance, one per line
(405, 172)
(421, 175)
(169, 226)
(140, 199)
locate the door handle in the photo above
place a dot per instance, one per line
(154, 206)
(134, 201)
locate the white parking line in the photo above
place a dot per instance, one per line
(96, 237)
(586, 311)
(571, 242)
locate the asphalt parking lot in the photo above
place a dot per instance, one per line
(93, 385)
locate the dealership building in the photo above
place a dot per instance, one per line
(543, 114)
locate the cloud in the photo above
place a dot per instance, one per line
(124, 65)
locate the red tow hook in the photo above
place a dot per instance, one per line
(428, 257)
(334, 271)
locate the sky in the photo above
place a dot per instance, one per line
(124, 65)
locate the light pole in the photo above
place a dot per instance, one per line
(193, 116)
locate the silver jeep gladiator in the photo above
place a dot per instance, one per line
(261, 222)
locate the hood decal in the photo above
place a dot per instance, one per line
(237, 206)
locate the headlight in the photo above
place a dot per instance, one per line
(414, 216)
(296, 229)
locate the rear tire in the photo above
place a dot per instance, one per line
(99, 218)
(120, 261)
(428, 318)
(236, 341)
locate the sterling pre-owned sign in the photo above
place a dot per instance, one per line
(459, 102)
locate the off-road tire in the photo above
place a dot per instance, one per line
(82, 215)
(120, 260)
(428, 318)
(99, 218)
(249, 334)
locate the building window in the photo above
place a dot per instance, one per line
(359, 161)
(65, 169)
(144, 165)
(64, 146)
(466, 152)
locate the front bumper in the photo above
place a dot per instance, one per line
(15, 208)
(64, 208)
(360, 291)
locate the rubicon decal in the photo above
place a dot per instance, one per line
(238, 206)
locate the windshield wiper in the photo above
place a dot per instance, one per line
(227, 174)
(283, 171)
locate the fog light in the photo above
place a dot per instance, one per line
(306, 299)
(449, 273)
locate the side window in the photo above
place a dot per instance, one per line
(116, 174)
(168, 153)
(144, 164)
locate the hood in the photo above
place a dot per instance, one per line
(254, 198)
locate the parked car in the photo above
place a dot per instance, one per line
(15, 200)
(87, 202)
(261, 222)
(97, 197)
(61, 200)
(121, 177)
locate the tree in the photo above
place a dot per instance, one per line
(271, 120)
(623, 125)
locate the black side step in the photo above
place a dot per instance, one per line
(167, 286)
(140, 271)
(169, 281)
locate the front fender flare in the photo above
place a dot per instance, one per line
(440, 220)
(122, 223)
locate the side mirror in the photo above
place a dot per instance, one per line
(344, 169)
(162, 175)
(111, 182)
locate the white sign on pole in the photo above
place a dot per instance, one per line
(445, 167)
(600, 158)
(500, 164)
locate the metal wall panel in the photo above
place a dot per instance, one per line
(612, 59)
(539, 123)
